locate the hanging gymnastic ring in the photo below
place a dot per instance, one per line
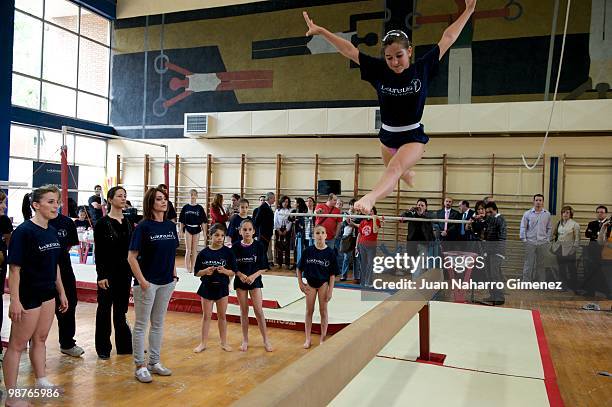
(519, 10)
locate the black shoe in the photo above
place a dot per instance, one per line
(292, 268)
(104, 356)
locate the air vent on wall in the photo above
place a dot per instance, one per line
(196, 125)
(377, 119)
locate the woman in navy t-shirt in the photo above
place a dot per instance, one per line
(319, 266)
(34, 281)
(215, 265)
(251, 263)
(151, 258)
(402, 89)
(6, 228)
(192, 221)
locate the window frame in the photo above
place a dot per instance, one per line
(79, 35)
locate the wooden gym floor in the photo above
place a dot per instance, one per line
(579, 343)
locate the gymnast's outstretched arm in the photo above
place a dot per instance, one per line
(343, 46)
(451, 34)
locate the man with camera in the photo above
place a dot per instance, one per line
(495, 251)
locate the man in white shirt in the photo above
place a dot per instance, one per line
(536, 228)
(448, 232)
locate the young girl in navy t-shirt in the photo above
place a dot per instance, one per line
(192, 222)
(215, 266)
(233, 230)
(319, 266)
(251, 263)
(402, 90)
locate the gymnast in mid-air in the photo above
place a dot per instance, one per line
(401, 87)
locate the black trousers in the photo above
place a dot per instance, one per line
(568, 271)
(66, 321)
(115, 297)
(594, 279)
(266, 243)
(282, 248)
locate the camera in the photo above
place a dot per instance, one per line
(412, 212)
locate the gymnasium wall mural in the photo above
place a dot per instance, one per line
(256, 57)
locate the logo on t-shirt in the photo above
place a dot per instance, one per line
(414, 87)
(366, 230)
(167, 236)
(62, 233)
(321, 263)
(213, 263)
(196, 213)
(48, 246)
(252, 259)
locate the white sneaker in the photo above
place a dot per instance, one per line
(142, 375)
(75, 351)
(159, 369)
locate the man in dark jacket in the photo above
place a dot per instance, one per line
(466, 214)
(419, 233)
(592, 253)
(264, 221)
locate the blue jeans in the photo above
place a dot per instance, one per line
(346, 261)
(339, 256)
(300, 245)
(367, 251)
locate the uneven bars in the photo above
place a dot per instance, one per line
(66, 129)
(9, 184)
(381, 217)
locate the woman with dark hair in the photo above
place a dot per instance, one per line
(282, 232)
(112, 236)
(477, 225)
(151, 258)
(26, 209)
(566, 240)
(34, 281)
(217, 212)
(309, 221)
(299, 230)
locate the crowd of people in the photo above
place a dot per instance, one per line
(139, 255)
